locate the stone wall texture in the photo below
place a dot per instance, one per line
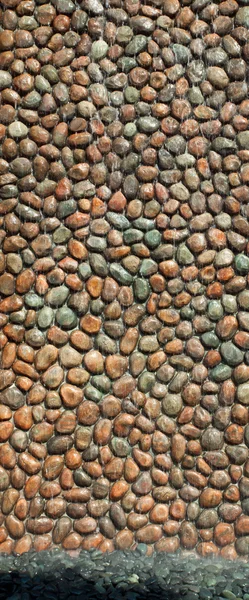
(124, 272)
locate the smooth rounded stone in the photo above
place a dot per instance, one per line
(59, 445)
(99, 49)
(146, 381)
(241, 264)
(120, 274)
(237, 454)
(141, 289)
(242, 17)
(224, 258)
(243, 393)
(184, 256)
(4, 479)
(5, 79)
(172, 404)
(120, 447)
(45, 317)
(221, 372)
(147, 124)
(231, 354)
(57, 296)
(229, 303)
(17, 130)
(66, 318)
(117, 516)
(212, 439)
(19, 441)
(107, 527)
(13, 398)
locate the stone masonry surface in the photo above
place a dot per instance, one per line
(124, 276)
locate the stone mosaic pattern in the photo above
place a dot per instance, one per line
(124, 264)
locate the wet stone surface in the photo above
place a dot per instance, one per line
(122, 574)
(124, 276)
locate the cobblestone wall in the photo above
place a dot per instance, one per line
(124, 264)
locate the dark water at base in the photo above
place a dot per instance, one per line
(121, 575)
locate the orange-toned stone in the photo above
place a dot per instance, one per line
(118, 490)
(90, 324)
(223, 534)
(210, 498)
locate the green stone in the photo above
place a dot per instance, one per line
(243, 299)
(66, 318)
(66, 208)
(130, 130)
(66, 7)
(187, 313)
(223, 145)
(131, 236)
(152, 238)
(42, 84)
(101, 382)
(148, 344)
(146, 382)
(50, 73)
(243, 393)
(91, 393)
(131, 94)
(148, 124)
(45, 317)
(172, 404)
(228, 594)
(130, 163)
(184, 256)
(99, 49)
(96, 243)
(220, 373)
(57, 296)
(120, 274)
(232, 355)
(105, 344)
(85, 271)
(242, 262)
(33, 300)
(32, 100)
(242, 17)
(185, 161)
(215, 310)
(126, 63)
(195, 96)
(27, 213)
(120, 222)
(143, 224)
(148, 267)
(120, 447)
(86, 109)
(98, 264)
(210, 340)
(124, 34)
(137, 44)
(97, 306)
(62, 235)
(84, 189)
(141, 289)
(229, 303)
(28, 23)
(182, 54)
(176, 145)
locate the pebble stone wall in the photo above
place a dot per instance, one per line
(124, 310)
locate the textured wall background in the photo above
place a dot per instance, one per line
(124, 194)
